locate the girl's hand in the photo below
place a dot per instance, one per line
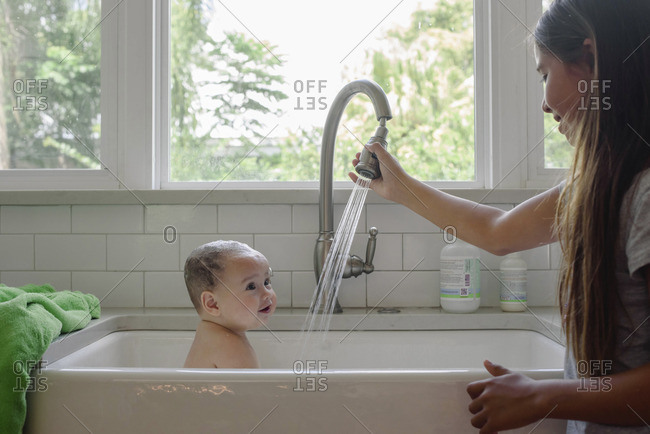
(391, 184)
(507, 401)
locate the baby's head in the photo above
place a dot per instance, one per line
(229, 283)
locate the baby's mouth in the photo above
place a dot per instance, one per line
(267, 309)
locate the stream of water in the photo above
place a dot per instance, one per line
(330, 280)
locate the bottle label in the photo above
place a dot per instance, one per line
(513, 286)
(460, 278)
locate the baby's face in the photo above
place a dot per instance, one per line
(245, 296)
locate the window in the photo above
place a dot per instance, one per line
(58, 105)
(557, 151)
(50, 78)
(249, 94)
(549, 152)
(186, 93)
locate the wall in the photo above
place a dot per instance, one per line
(122, 253)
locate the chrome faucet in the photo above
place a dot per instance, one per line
(368, 167)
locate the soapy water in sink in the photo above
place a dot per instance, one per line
(330, 280)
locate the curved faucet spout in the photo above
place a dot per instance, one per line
(326, 215)
(341, 101)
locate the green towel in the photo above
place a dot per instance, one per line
(30, 318)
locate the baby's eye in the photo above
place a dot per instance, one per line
(250, 287)
(544, 77)
(267, 282)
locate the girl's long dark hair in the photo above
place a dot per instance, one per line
(612, 141)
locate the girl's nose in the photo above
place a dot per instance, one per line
(545, 107)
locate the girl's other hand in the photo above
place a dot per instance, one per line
(506, 401)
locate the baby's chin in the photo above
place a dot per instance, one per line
(263, 318)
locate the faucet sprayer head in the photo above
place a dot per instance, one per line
(368, 166)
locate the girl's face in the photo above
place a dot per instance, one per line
(566, 90)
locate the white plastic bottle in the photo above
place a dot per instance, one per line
(460, 277)
(514, 282)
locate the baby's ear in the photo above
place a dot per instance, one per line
(209, 303)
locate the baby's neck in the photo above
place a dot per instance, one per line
(219, 328)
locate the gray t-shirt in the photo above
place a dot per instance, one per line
(633, 317)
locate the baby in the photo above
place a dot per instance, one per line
(230, 286)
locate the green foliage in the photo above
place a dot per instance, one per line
(427, 72)
(241, 86)
(37, 45)
(224, 91)
(426, 69)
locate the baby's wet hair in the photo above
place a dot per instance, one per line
(205, 266)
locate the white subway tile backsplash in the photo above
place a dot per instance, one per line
(423, 249)
(388, 252)
(35, 219)
(17, 252)
(396, 219)
(92, 247)
(70, 252)
(112, 288)
(306, 219)
(60, 280)
(490, 288)
(303, 284)
(281, 283)
(126, 251)
(190, 242)
(294, 252)
(556, 255)
(107, 219)
(265, 219)
(184, 219)
(542, 288)
(536, 259)
(403, 289)
(352, 292)
(165, 289)
(338, 214)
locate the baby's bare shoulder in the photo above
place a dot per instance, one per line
(235, 352)
(220, 348)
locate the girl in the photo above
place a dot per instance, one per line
(594, 56)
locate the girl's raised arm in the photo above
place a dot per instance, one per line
(500, 232)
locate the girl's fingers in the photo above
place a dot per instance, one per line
(476, 388)
(475, 406)
(479, 420)
(495, 370)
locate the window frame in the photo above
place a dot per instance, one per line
(105, 177)
(135, 107)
